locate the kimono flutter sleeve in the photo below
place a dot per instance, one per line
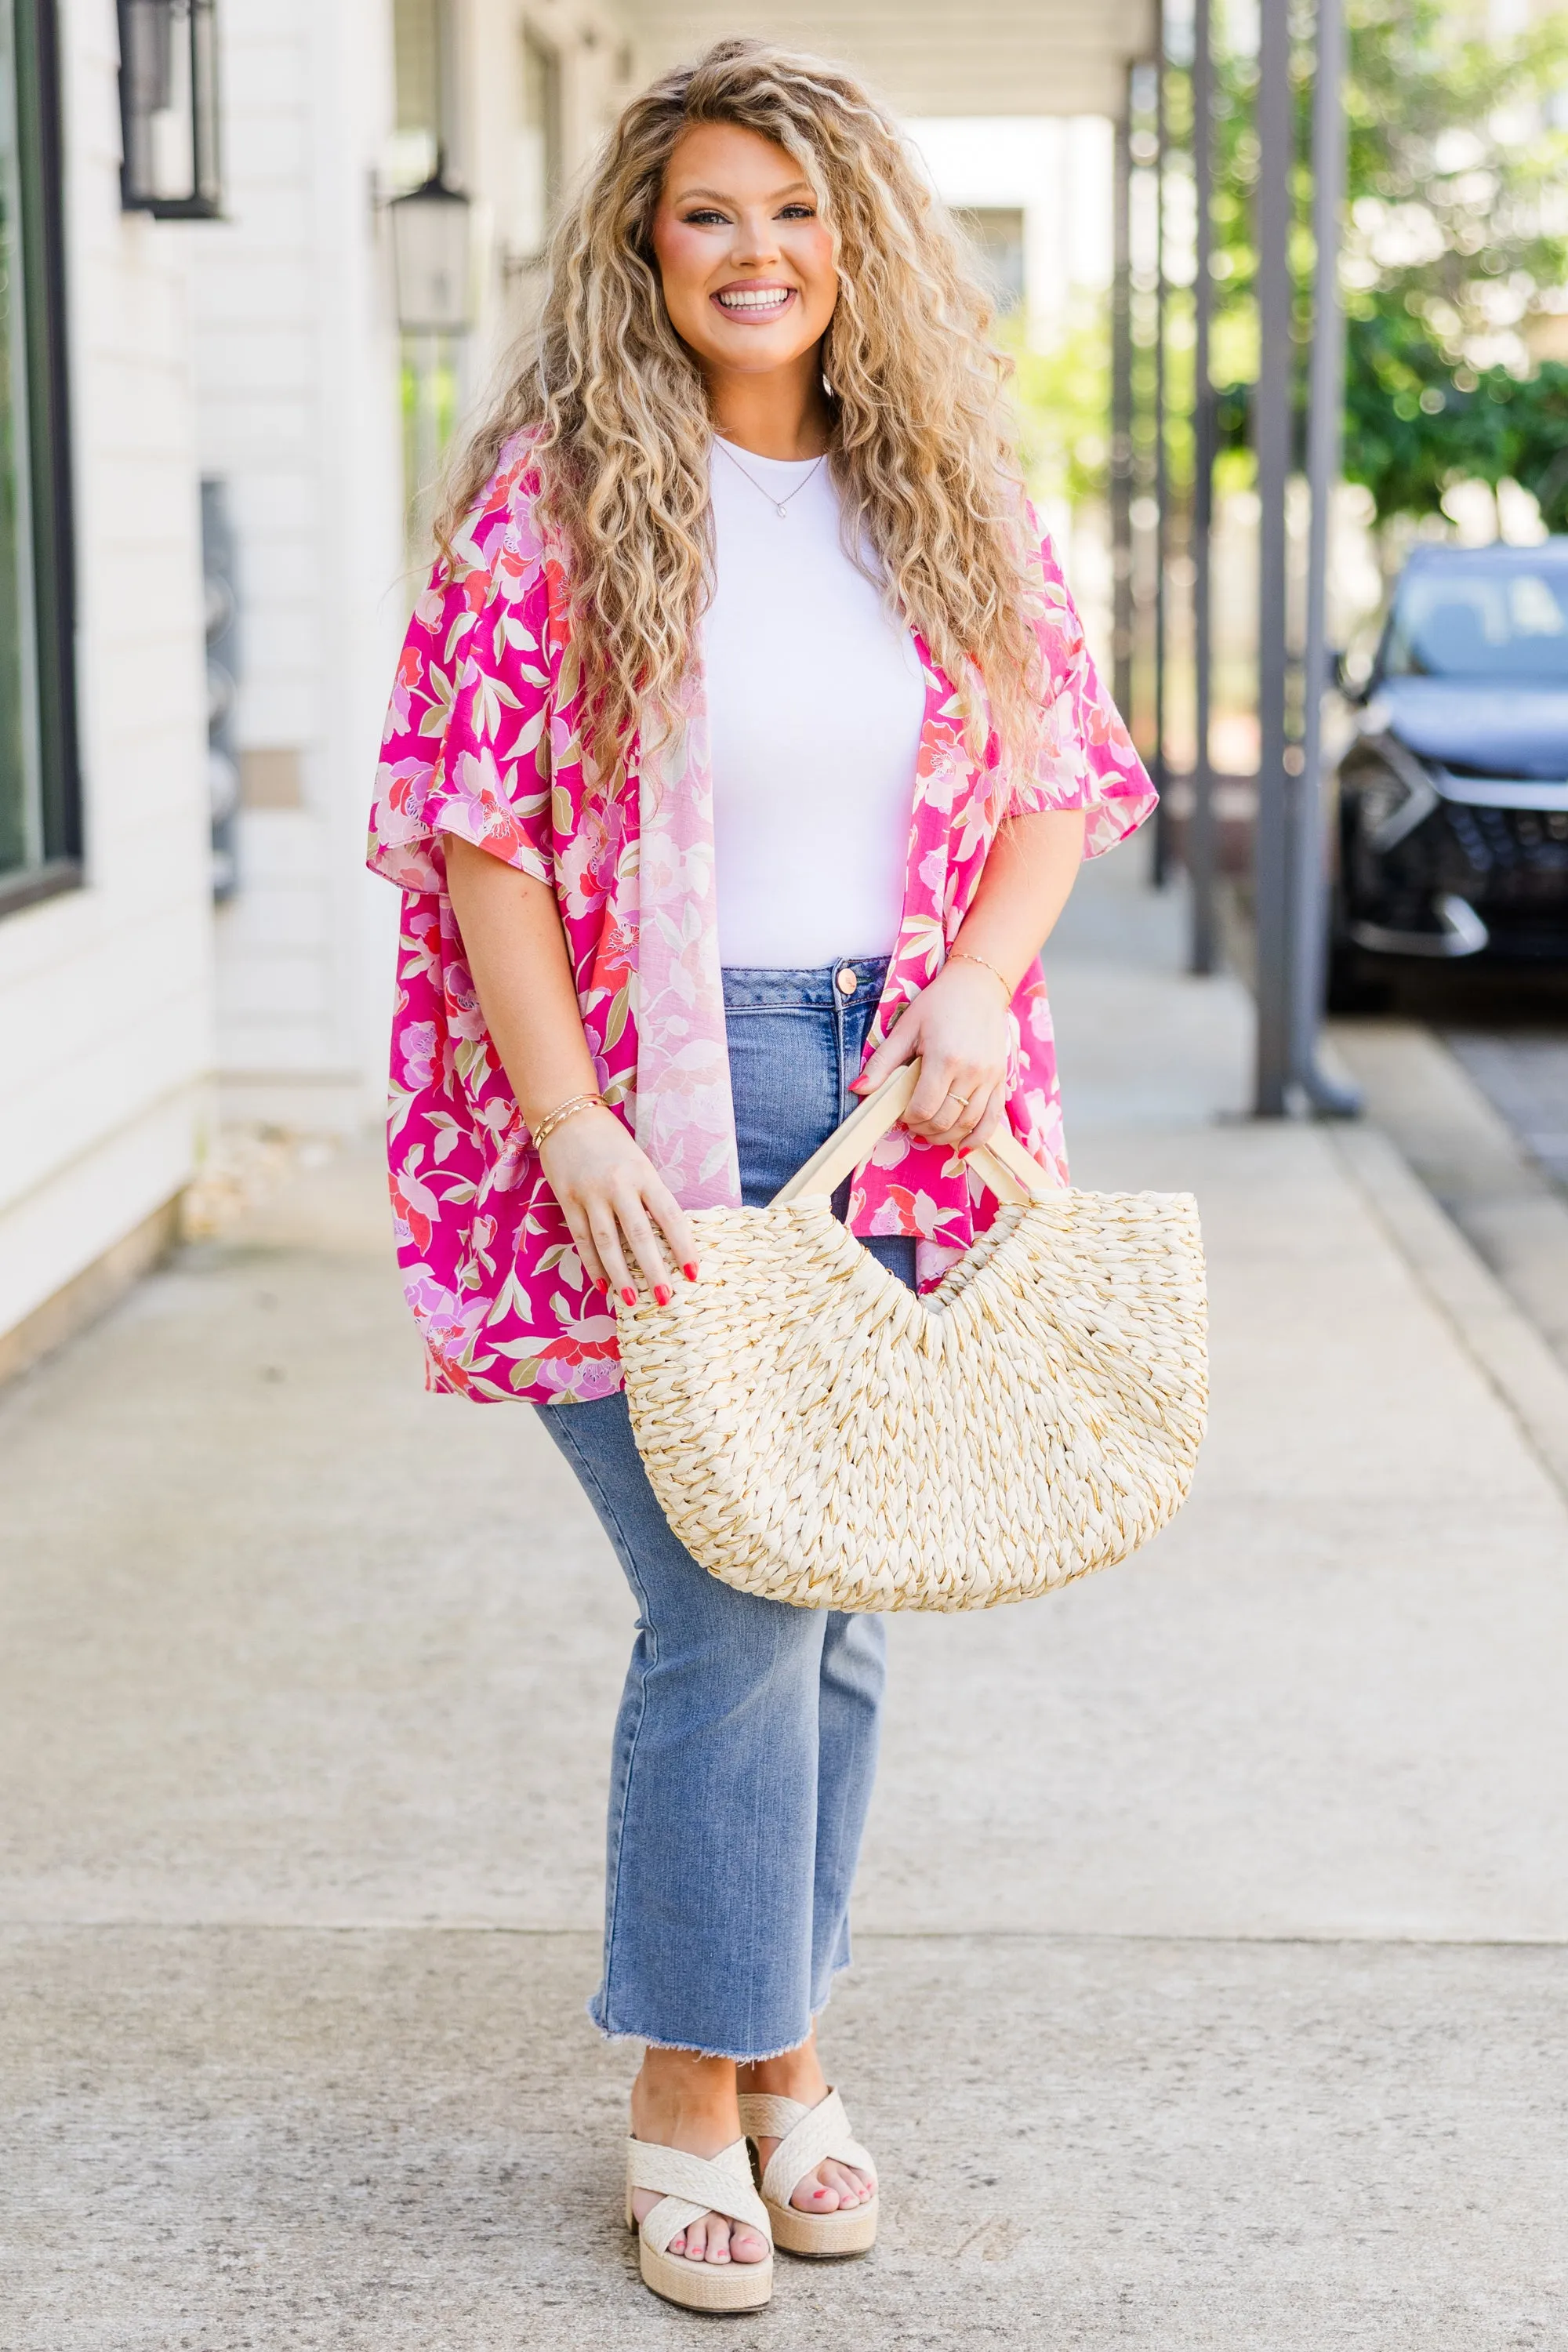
(1087, 759)
(465, 751)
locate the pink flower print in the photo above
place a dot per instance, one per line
(577, 864)
(926, 1215)
(405, 685)
(414, 1208)
(446, 1315)
(612, 965)
(562, 1367)
(405, 782)
(464, 1018)
(420, 1048)
(517, 569)
(899, 1211)
(894, 1149)
(475, 799)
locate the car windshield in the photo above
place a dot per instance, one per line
(1500, 621)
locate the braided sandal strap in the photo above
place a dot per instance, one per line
(807, 2136)
(767, 2115)
(691, 2186)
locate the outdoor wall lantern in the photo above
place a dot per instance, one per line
(432, 256)
(169, 108)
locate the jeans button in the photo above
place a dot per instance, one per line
(848, 981)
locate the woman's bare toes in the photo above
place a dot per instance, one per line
(815, 2194)
(697, 2239)
(853, 2187)
(746, 2246)
(718, 2230)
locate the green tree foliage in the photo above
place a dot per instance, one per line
(1456, 229)
(1062, 396)
(1416, 424)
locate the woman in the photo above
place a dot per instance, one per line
(744, 746)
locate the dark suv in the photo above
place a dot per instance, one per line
(1453, 797)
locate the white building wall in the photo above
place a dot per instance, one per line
(298, 388)
(589, 42)
(104, 992)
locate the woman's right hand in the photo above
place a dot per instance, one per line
(621, 1214)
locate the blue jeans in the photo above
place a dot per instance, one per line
(746, 1742)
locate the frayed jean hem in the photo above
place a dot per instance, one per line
(661, 2041)
(594, 2008)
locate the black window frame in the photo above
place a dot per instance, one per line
(40, 159)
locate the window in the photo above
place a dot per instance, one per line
(39, 837)
(417, 38)
(423, 38)
(536, 153)
(1484, 618)
(998, 235)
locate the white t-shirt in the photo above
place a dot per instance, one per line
(816, 701)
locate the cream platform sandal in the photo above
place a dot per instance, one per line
(688, 2187)
(807, 2138)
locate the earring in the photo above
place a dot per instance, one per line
(827, 387)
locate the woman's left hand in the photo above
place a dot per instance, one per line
(958, 1028)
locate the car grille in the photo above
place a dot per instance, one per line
(1492, 856)
(1499, 843)
(1512, 865)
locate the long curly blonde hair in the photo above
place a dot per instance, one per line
(921, 448)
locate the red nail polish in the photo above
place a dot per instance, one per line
(601, 1284)
(630, 1296)
(661, 1294)
(689, 1272)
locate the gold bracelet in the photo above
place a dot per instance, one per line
(962, 955)
(562, 1111)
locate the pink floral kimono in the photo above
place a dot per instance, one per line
(483, 739)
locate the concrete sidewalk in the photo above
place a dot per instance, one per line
(1212, 1974)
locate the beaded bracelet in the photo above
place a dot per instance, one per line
(562, 1111)
(962, 955)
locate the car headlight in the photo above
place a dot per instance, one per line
(1389, 790)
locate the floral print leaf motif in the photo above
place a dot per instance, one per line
(490, 696)
(513, 1302)
(616, 1018)
(400, 1103)
(484, 739)
(527, 735)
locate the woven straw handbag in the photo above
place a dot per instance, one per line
(816, 1433)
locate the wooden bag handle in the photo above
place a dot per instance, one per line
(1006, 1167)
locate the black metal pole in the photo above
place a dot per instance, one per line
(1202, 845)
(1271, 443)
(1121, 416)
(1325, 414)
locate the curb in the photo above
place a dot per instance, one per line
(1509, 1349)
